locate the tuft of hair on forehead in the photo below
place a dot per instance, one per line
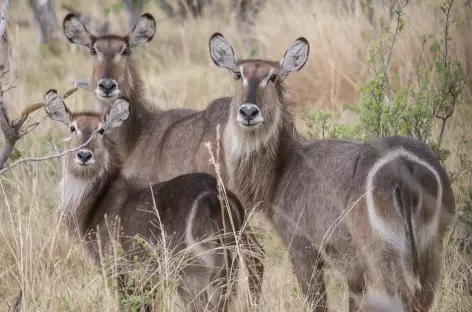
(259, 61)
(112, 37)
(86, 114)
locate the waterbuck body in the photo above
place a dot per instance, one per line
(160, 144)
(375, 212)
(98, 202)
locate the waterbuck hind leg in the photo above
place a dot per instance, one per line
(430, 271)
(308, 265)
(356, 288)
(223, 283)
(254, 263)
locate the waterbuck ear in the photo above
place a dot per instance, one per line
(56, 108)
(143, 31)
(76, 32)
(295, 58)
(222, 53)
(118, 114)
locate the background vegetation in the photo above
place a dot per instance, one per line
(403, 76)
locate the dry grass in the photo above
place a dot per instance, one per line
(36, 254)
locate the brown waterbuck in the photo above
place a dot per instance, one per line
(375, 212)
(180, 212)
(159, 144)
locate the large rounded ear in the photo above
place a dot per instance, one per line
(295, 58)
(56, 108)
(118, 114)
(143, 31)
(222, 53)
(76, 32)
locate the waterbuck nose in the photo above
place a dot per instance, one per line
(84, 155)
(249, 111)
(107, 86)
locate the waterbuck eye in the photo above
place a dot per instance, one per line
(237, 76)
(72, 128)
(273, 77)
(93, 51)
(125, 52)
(101, 131)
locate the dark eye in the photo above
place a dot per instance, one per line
(125, 52)
(237, 76)
(101, 131)
(72, 128)
(93, 51)
(273, 77)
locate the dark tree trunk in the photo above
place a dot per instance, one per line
(134, 9)
(45, 20)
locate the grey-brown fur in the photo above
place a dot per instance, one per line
(95, 193)
(314, 192)
(156, 144)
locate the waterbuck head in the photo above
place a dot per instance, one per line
(114, 72)
(257, 103)
(89, 129)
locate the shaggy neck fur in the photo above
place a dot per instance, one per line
(80, 196)
(256, 159)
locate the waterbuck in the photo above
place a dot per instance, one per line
(375, 212)
(179, 211)
(159, 144)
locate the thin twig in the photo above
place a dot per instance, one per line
(54, 146)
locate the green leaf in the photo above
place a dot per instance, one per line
(435, 47)
(15, 154)
(253, 53)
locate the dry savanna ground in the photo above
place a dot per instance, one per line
(50, 267)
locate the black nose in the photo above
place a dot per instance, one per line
(107, 86)
(84, 155)
(249, 112)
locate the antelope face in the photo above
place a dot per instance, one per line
(258, 100)
(112, 65)
(92, 159)
(256, 94)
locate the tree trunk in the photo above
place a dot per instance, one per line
(45, 20)
(246, 14)
(134, 9)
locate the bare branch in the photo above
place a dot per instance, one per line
(3, 21)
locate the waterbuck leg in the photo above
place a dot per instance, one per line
(308, 265)
(356, 290)
(254, 263)
(430, 270)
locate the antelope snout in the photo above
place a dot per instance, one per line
(84, 157)
(249, 115)
(107, 88)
